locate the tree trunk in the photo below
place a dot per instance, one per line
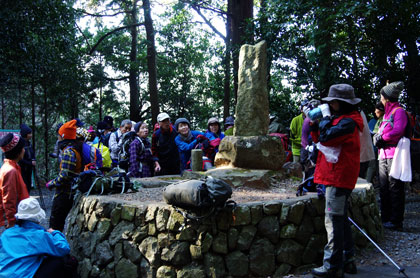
(46, 131)
(151, 61)
(20, 103)
(133, 75)
(2, 111)
(412, 66)
(33, 113)
(242, 10)
(226, 85)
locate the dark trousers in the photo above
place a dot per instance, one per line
(62, 204)
(392, 194)
(27, 176)
(65, 267)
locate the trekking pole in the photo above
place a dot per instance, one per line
(400, 270)
(41, 197)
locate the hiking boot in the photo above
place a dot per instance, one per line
(350, 268)
(328, 273)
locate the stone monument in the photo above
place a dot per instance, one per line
(250, 147)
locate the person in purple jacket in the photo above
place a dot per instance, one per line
(391, 130)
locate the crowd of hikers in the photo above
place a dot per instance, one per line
(333, 142)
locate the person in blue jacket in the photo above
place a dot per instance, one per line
(28, 250)
(186, 140)
(213, 129)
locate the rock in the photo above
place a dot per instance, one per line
(118, 252)
(103, 228)
(239, 177)
(296, 213)
(131, 252)
(269, 227)
(165, 272)
(175, 221)
(220, 244)
(146, 270)
(245, 237)
(252, 104)
(319, 205)
(150, 250)
(319, 225)
(125, 269)
(103, 209)
(205, 240)
(95, 272)
(261, 258)
(237, 263)
(256, 212)
(282, 270)
(290, 252)
(305, 230)
(140, 233)
(214, 265)
(103, 253)
(288, 231)
(177, 254)
(92, 222)
(162, 217)
(314, 249)
(253, 152)
(232, 238)
(128, 213)
(223, 219)
(165, 239)
(140, 217)
(84, 268)
(115, 215)
(87, 242)
(191, 271)
(195, 252)
(293, 169)
(151, 212)
(272, 207)
(122, 231)
(241, 215)
(186, 234)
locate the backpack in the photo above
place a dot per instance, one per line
(124, 152)
(286, 145)
(208, 193)
(95, 182)
(91, 157)
(105, 153)
(105, 139)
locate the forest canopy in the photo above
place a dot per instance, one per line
(135, 58)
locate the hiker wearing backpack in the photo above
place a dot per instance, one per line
(142, 163)
(114, 139)
(338, 129)
(186, 140)
(391, 130)
(164, 148)
(70, 166)
(91, 156)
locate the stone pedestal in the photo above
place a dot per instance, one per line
(251, 152)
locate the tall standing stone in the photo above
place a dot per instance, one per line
(252, 105)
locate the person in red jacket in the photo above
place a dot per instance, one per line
(12, 187)
(341, 133)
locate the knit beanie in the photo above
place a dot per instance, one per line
(102, 126)
(82, 133)
(68, 130)
(230, 120)
(109, 120)
(137, 126)
(11, 143)
(25, 130)
(29, 209)
(392, 90)
(181, 120)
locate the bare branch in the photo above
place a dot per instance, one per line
(197, 9)
(112, 32)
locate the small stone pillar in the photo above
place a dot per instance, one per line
(197, 160)
(252, 108)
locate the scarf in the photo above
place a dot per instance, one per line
(186, 138)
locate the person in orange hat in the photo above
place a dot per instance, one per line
(70, 167)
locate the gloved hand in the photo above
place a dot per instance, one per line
(201, 138)
(49, 185)
(378, 141)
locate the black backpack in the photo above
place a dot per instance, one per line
(124, 153)
(209, 193)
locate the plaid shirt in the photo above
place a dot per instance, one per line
(67, 170)
(140, 163)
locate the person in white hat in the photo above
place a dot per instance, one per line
(164, 149)
(28, 250)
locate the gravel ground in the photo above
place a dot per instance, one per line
(402, 246)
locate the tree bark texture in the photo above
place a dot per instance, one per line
(151, 61)
(133, 75)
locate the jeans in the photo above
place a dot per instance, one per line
(392, 194)
(340, 246)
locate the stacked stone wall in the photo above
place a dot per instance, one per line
(115, 238)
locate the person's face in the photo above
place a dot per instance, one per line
(379, 113)
(383, 100)
(183, 128)
(29, 136)
(164, 125)
(334, 105)
(125, 128)
(214, 128)
(143, 131)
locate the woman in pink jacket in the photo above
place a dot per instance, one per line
(390, 132)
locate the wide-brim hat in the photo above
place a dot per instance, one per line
(29, 209)
(343, 92)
